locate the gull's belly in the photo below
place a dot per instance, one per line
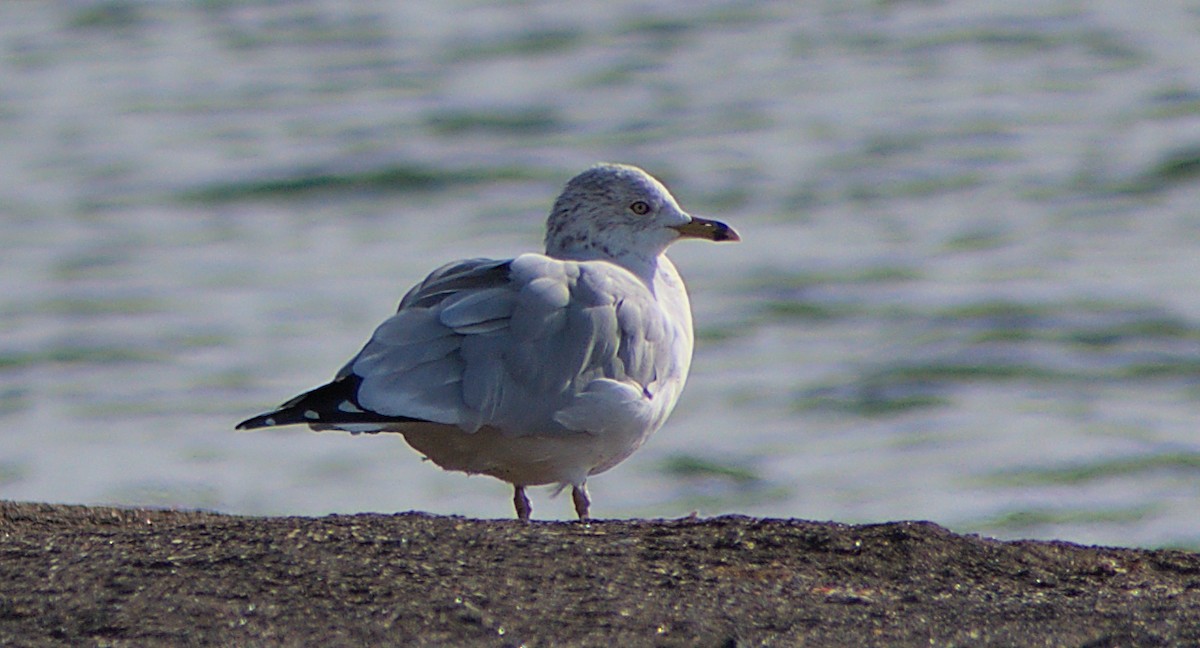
(526, 460)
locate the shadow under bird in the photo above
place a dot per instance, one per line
(542, 369)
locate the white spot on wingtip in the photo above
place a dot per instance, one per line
(347, 406)
(269, 421)
(311, 415)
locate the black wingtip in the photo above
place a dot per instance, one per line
(324, 408)
(260, 421)
(293, 412)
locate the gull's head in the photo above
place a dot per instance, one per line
(616, 211)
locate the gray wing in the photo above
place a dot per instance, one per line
(531, 345)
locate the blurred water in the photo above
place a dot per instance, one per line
(967, 290)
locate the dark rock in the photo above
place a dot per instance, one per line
(72, 575)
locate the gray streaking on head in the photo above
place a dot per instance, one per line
(543, 369)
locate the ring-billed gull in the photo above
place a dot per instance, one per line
(543, 369)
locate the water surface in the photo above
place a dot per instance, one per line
(967, 290)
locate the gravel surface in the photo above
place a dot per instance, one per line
(72, 575)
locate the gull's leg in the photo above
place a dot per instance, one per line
(521, 503)
(579, 495)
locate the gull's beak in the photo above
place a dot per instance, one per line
(703, 228)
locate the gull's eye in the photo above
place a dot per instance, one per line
(641, 208)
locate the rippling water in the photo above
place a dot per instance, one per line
(967, 290)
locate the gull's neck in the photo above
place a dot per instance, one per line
(643, 265)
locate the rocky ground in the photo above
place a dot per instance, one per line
(73, 575)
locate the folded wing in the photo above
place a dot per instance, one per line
(533, 345)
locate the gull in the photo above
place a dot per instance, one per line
(541, 369)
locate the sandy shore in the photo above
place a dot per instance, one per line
(73, 575)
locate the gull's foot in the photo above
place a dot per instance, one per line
(579, 495)
(521, 503)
